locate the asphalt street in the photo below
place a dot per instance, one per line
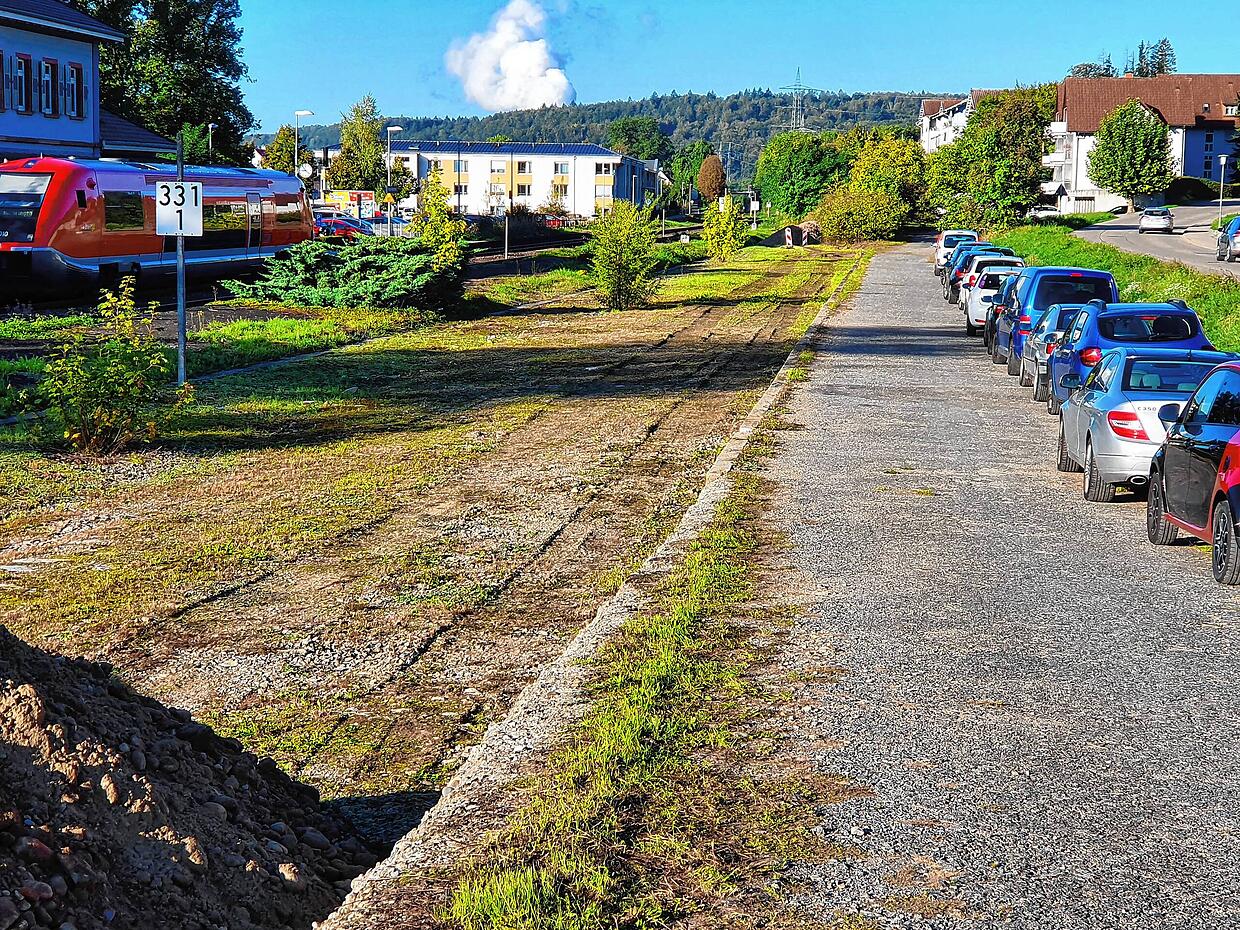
(1192, 242)
(1037, 710)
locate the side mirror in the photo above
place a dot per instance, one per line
(1072, 381)
(1051, 338)
(988, 299)
(1169, 414)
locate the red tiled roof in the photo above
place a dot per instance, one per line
(977, 96)
(932, 106)
(1180, 99)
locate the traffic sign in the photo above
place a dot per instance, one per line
(389, 199)
(178, 208)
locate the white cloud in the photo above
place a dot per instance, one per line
(511, 67)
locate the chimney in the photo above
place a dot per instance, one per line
(1129, 74)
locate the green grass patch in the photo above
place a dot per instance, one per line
(644, 821)
(41, 328)
(1139, 277)
(524, 289)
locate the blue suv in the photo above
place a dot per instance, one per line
(1099, 326)
(1033, 292)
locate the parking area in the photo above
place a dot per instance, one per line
(1037, 708)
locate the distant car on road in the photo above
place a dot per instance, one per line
(946, 241)
(344, 228)
(1109, 427)
(1156, 219)
(1229, 241)
(1100, 326)
(1036, 290)
(1035, 353)
(1194, 479)
(1044, 213)
(987, 285)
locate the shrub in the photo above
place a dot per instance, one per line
(850, 214)
(387, 273)
(104, 390)
(623, 258)
(724, 229)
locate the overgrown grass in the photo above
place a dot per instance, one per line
(1139, 277)
(643, 822)
(40, 328)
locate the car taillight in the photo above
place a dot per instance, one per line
(972, 280)
(1091, 356)
(1126, 425)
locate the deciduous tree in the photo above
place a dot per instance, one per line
(622, 256)
(1132, 153)
(723, 228)
(795, 169)
(685, 167)
(711, 180)
(361, 164)
(280, 157)
(437, 226)
(639, 137)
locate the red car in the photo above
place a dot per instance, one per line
(1195, 476)
(346, 229)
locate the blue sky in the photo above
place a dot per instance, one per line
(324, 54)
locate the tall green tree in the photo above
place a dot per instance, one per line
(639, 137)
(280, 155)
(1162, 58)
(685, 166)
(795, 169)
(180, 64)
(723, 228)
(1132, 153)
(361, 164)
(897, 166)
(712, 182)
(1102, 68)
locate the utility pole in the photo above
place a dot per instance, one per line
(181, 270)
(1222, 187)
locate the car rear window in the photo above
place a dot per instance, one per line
(997, 263)
(1181, 377)
(1069, 289)
(1148, 327)
(993, 280)
(1066, 315)
(950, 242)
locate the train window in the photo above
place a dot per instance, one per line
(21, 198)
(224, 226)
(123, 212)
(289, 212)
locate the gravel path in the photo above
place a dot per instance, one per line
(1044, 706)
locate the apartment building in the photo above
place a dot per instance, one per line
(943, 120)
(49, 86)
(486, 178)
(1202, 113)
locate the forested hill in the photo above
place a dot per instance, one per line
(747, 119)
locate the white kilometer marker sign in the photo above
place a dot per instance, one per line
(178, 208)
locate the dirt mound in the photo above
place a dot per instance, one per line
(118, 812)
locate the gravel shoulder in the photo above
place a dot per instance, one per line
(1037, 709)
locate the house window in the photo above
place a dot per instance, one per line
(523, 190)
(1232, 109)
(561, 167)
(23, 84)
(559, 190)
(499, 189)
(459, 166)
(602, 167)
(1209, 142)
(523, 167)
(75, 92)
(1209, 166)
(602, 190)
(499, 167)
(49, 96)
(435, 164)
(461, 190)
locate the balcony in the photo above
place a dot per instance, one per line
(1055, 158)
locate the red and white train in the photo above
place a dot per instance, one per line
(69, 224)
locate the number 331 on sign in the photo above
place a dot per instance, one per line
(178, 208)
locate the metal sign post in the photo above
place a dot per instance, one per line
(178, 212)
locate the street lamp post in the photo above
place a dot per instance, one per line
(1222, 186)
(297, 115)
(391, 131)
(211, 127)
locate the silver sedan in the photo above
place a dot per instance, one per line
(1109, 427)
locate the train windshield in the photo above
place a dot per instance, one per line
(21, 197)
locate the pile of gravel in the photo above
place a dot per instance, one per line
(118, 812)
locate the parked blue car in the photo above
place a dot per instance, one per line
(954, 273)
(1099, 326)
(1035, 290)
(998, 303)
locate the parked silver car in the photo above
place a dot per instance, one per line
(1038, 345)
(1156, 219)
(1109, 427)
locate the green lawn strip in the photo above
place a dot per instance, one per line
(1139, 277)
(42, 327)
(645, 818)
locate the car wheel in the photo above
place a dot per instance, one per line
(994, 351)
(1157, 528)
(1140, 232)
(1094, 488)
(1231, 255)
(1040, 389)
(1065, 463)
(1013, 361)
(1226, 554)
(969, 329)
(1053, 406)
(1026, 379)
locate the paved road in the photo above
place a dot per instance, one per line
(1045, 707)
(1192, 243)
